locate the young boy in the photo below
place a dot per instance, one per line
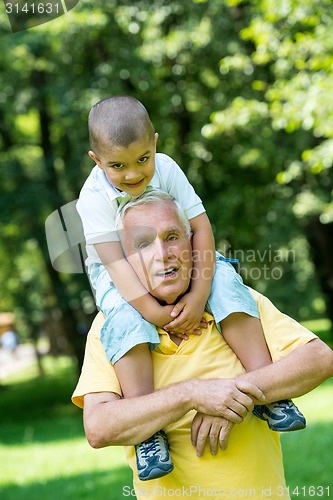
(123, 146)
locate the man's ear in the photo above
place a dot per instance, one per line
(95, 158)
(155, 139)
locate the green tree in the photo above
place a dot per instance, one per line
(238, 92)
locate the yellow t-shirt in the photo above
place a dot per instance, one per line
(252, 464)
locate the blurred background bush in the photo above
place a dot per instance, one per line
(240, 93)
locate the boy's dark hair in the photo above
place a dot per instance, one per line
(118, 121)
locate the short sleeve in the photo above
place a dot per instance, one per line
(98, 217)
(175, 182)
(283, 334)
(97, 374)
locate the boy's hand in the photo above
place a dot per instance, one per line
(188, 314)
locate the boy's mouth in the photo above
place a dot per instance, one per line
(134, 184)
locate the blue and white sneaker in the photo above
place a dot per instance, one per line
(153, 458)
(281, 416)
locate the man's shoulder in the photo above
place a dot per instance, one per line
(96, 326)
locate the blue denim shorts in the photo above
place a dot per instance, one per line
(229, 294)
(124, 327)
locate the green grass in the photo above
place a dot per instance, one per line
(308, 454)
(43, 451)
(44, 454)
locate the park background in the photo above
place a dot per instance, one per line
(241, 94)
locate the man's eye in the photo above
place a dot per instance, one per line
(172, 237)
(143, 245)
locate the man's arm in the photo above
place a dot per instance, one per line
(109, 420)
(298, 373)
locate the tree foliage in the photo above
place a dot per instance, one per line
(239, 92)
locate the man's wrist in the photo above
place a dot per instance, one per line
(189, 394)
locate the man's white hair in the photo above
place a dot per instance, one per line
(149, 198)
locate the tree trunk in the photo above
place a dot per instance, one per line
(320, 238)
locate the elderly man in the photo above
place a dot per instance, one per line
(201, 388)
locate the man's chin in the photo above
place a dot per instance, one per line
(167, 295)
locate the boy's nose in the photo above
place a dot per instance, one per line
(133, 175)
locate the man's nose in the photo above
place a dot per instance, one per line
(162, 251)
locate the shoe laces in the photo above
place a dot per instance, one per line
(150, 447)
(284, 403)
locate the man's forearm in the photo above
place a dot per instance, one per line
(111, 421)
(296, 374)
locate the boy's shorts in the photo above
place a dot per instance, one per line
(124, 327)
(229, 294)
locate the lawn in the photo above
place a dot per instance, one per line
(44, 454)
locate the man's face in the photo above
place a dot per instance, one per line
(157, 246)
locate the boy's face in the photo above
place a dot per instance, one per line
(129, 169)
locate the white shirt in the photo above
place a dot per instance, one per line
(99, 201)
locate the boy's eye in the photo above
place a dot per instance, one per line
(117, 166)
(143, 159)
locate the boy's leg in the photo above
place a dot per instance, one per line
(134, 379)
(135, 374)
(236, 312)
(245, 336)
(127, 339)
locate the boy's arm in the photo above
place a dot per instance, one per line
(189, 310)
(129, 285)
(203, 252)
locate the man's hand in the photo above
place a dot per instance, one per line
(231, 399)
(188, 314)
(205, 428)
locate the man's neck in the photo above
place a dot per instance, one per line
(175, 339)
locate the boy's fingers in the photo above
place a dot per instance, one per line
(177, 310)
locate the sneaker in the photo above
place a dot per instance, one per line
(281, 416)
(153, 458)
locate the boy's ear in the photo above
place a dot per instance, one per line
(155, 138)
(94, 157)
